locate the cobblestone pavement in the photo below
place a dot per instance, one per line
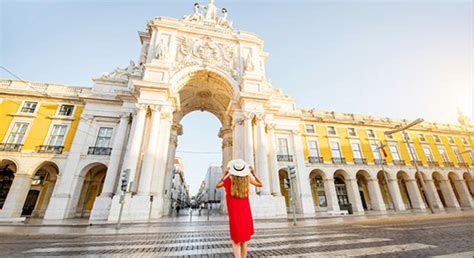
(426, 238)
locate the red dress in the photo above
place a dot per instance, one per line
(240, 215)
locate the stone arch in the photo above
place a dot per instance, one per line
(460, 189)
(383, 179)
(8, 169)
(404, 180)
(346, 191)
(93, 176)
(317, 178)
(469, 182)
(282, 175)
(437, 179)
(445, 191)
(363, 177)
(44, 179)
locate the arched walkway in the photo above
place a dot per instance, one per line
(410, 192)
(384, 190)
(347, 192)
(316, 178)
(283, 174)
(445, 191)
(469, 182)
(91, 188)
(41, 189)
(369, 191)
(7, 174)
(460, 190)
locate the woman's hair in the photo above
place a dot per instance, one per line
(240, 186)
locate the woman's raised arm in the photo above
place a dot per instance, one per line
(255, 180)
(220, 183)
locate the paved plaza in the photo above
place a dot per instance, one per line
(409, 235)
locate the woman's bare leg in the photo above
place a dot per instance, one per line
(236, 249)
(243, 249)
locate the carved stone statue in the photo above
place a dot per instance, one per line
(222, 21)
(196, 16)
(211, 11)
(248, 65)
(463, 119)
(161, 50)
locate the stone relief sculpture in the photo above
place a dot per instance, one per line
(248, 65)
(122, 75)
(209, 17)
(161, 50)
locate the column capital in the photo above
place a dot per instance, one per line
(227, 142)
(248, 115)
(270, 126)
(140, 106)
(155, 107)
(123, 115)
(166, 115)
(259, 116)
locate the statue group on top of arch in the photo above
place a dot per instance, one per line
(123, 74)
(210, 16)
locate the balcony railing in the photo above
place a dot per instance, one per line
(418, 162)
(399, 162)
(10, 147)
(50, 149)
(285, 158)
(433, 163)
(463, 164)
(380, 161)
(360, 161)
(339, 160)
(99, 151)
(315, 159)
(448, 164)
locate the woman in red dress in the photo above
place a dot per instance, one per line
(236, 182)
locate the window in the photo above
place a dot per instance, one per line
(444, 154)
(18, 133)
(313, 148)
(464, 141)
(436, 138)
(450, 139)
(57, 135)
(422, 137)
(458, 155)
(428, 154)
(331, 130)
(394, 152)
(29, 107)
(356, 151)
(283, 146)
(370, 133)
(335, 150)
(65, 110)
(309, 129)
(104, 136)
(412, 152)
(351, 132)
(376, 151)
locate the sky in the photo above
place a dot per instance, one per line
(400, 59)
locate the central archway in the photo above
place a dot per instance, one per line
(201, 90)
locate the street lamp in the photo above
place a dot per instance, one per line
(412, 154)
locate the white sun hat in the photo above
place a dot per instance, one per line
(238, 167)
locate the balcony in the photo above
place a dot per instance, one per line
(399, 162)
(99, 151)
(10, 147)
(50, 149)
(380, 162)
(448, 164)
(285, 158)
(433, 164)
(418, 162)
(360, 161)
(315, 159)
(463, 164)
(339, 160)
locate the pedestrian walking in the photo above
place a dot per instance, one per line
(236, 182)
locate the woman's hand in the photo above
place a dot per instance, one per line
(252, 171)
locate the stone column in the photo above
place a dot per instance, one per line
(161, 157)
(114, 162)
(16, 197)
(415, 195)
(331, 195)
(238, 139)
(69, 181)
(448, 194)
(262, 161)
(273, 162)
(433, 194)
(354, 195)
(102, 203)
(248, 143)
(303, 189)
(464, 195)
(470, 184)
(376, 199)
(396, 195)
(150, 153)
(136, 138)
(175, 131)
(227, 143)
